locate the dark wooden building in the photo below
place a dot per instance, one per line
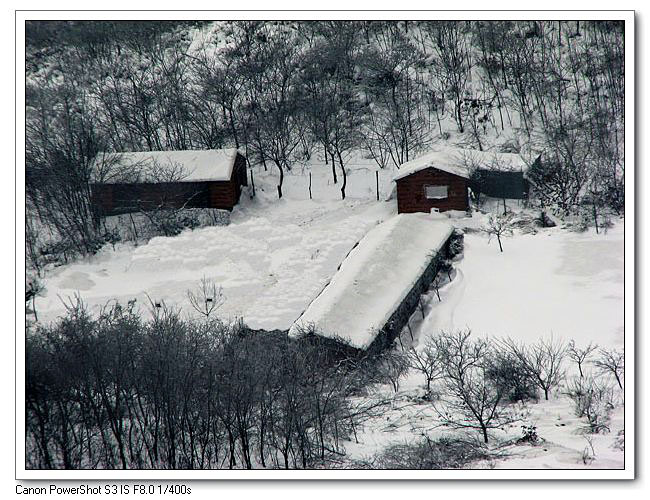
(431, 188)
(131, 182)
(497, 184)
(441, 179)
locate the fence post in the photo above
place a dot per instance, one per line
(310, 185)
(252, 184)
(377, 179)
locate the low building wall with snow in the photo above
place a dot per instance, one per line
(377, 288)
(398, 320)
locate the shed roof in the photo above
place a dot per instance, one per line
(164, 166)
(461, 162)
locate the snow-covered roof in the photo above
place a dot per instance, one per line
(374, 279)
(461, 162)
(164, 166)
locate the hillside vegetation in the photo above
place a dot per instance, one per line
(283, 92)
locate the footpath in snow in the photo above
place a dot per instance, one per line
(270, 263)
(375, 278)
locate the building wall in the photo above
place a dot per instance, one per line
(114, 199)
(500, 184)
(400, 316)
(411, 196)
(223, 194)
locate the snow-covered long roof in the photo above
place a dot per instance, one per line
(374, 279)
(461, 162)
(164, 166)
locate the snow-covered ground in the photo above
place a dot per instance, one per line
(273, 259)
(278, 255)
(554, 283)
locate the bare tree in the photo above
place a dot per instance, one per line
(395, 126)
(579, 356)
(393, 365)
(427, 361)
(452, 62)
(611, 362)
(499, 226)
(471, 399)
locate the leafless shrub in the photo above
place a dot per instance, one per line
(513, 377)
(588, 453)
(207, 299)
(393, 366)
(427, 361)
(444, 453)
(592, 400)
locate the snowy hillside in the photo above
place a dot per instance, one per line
(513, 358)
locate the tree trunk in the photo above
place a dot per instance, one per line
(281, 181)
(345, 177)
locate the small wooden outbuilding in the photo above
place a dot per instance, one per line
(441, 179)
(132, 182)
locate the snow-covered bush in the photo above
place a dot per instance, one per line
(544, 220)
(456, 244)
(619, 442)
(543, 360)
(529, 436)
(171, 222)
(512, 375)
(443, 453)
(592, 400)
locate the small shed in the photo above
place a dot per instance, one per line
(511, 185)
(137, 181)
(441, 179)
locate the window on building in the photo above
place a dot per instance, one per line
(436, 192)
